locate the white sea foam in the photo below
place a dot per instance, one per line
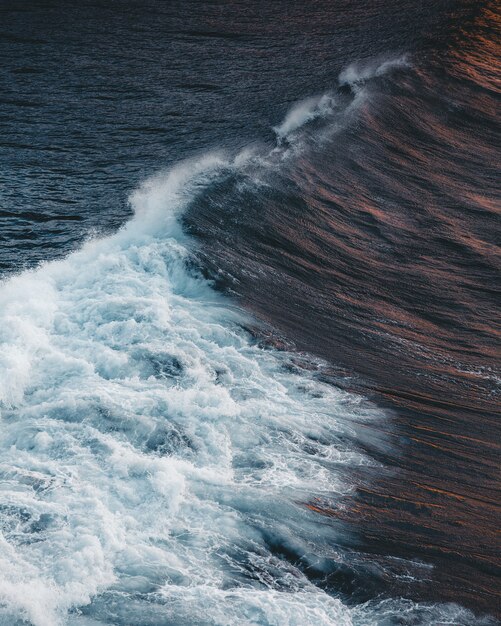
(150, 452)
(324, 106)
(360, 72)
(147, 446)
(304, 112)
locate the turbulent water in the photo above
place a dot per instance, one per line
(249, 333)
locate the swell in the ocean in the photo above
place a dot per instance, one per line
(160, 465)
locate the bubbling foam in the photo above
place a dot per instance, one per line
(150, 449)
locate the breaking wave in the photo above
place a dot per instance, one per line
(156, 459)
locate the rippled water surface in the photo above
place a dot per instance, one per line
(249, 314)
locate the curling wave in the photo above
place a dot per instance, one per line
(154, 455)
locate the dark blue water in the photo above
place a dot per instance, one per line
(273, 396)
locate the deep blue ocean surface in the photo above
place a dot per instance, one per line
(249, 313)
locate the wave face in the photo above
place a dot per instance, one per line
(270, 397)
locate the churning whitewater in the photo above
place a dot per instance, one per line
(150, 450)
(157, 460)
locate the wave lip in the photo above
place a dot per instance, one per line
(323, 106)
(304, 112)
(360, 72)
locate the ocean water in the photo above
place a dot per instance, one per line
(249, 331)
